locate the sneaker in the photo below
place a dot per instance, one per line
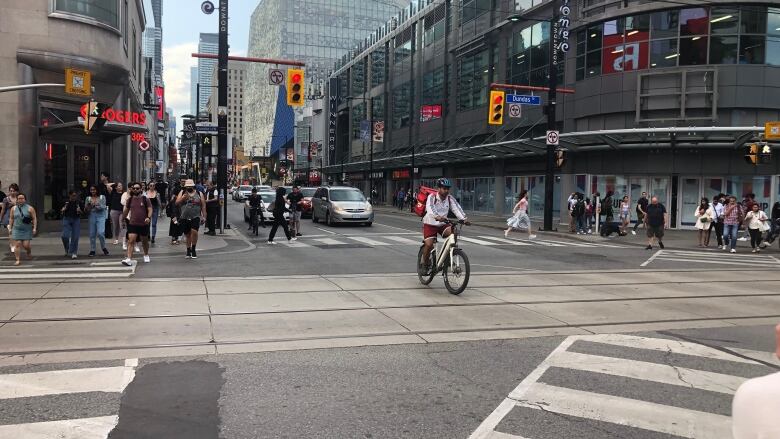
(744, 238)
(194, 254)
(137, 248)
(633, 232)
(293, 239)
(91, 254)
(725, 247)
(152, 240)
(531, 236)
(763, 245)
(74, 257)
(189, 253)
(299, 234)
(758, 250)
(733, 250)
(147, 259)
(105, 252)
(753, 251)
(127, 261)
(124, 245)
(649, 247)
(116, 241)
(661, 244)
(271, 243)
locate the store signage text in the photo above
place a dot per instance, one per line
(137, 137)
(399, 174)
(560, 31)
(123, 116)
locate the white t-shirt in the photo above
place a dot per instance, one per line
(756, 408)
(754, 219)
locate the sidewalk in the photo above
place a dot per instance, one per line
(672, 238)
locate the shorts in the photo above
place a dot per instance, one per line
(187, 225)
(296, 216)
(138, 230)
(655, 231)
(430, 231)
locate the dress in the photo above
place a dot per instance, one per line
(520, 219)
(22, 231)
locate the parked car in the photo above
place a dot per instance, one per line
(264, 188)
(341, 204)
(242, 192)
(268, 198)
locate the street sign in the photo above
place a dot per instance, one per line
(143, 145)
(552, 138)
(206, 128)
(523, 99)
(515, 110)
(772, 131)
(151, 107)
(78, 82)
(207, 7)
(275, 77)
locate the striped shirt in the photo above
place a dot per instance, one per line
(731, 214)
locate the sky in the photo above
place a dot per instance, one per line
(183, 21)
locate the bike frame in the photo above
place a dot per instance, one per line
(447, 249)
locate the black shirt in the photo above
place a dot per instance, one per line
(655, 214)
(255, 201)
(71, 209)
(295, 199)
(115, 201)
(642, 203)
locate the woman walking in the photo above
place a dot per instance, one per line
(154, 197)
(193, 214)
(71, 224)
(115, 211)
(756, 221)
(24, 225)
(704, 215)
(625, 215)
(5, 211)
(520, 219)
(172, 211)
(95, 204)
(279, 209)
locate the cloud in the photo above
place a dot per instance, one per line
(177, 61)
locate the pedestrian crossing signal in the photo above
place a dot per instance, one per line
(295, 78)
(94, 120)
(756, 154)
(496, 110)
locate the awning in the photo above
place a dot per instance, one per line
(581, 141)
(109, 129)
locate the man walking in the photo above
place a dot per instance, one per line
(71, 224)
(655, 222)
(212, 208)
(571, 202)
(193, 211)
(641, 211)
(733, 215)
(138, 211)
(295, 199)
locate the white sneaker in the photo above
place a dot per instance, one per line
(733, 250)
(137, 248)
(116, 241)
(124, 246)
(74, 257)
(13, 249)
(744, 238)
(531, 236)
(147, 259)
(633, 232)
(293, 239)
(724, 247)
(271, 243)
(127, 261)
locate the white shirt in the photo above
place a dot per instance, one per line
(756, 407)
(755, 219)
(435, 206)
(717, 209)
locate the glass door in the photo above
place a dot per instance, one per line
(636, 187)
(84, 167)
(689, 201)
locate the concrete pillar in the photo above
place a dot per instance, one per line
(499, 185)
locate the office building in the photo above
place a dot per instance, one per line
(207, 43)
(193, 90)
(237, 75)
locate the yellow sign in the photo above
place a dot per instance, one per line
(772, 131)
(78, 82)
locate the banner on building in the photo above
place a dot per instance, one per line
(430, 112)
(333, 106)
(379, 131)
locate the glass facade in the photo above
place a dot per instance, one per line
(317, 32)
(105, 12)
(680, 37)
(473, 79)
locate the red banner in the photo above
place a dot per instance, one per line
(160, 92)
(620, 56)
(430, 112)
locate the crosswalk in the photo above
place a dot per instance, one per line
(715, 257)
(53, 384)
(377, 240)
(65, 270)
(658, 380)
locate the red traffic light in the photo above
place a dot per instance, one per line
(498, 99)
(296, 77)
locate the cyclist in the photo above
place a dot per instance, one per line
(255, 203)
(437, 207)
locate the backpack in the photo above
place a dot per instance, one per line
(579, 208)
(422, 198)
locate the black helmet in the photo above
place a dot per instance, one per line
(443, 182)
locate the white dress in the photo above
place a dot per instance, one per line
(520, 220)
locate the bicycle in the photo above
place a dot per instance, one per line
(452, 262)
(253, 219)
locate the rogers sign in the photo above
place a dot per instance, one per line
(123, 116)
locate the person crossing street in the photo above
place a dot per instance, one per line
(138, 213)
(296, 206)
(193, 214)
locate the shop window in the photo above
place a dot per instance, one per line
(753, 20)
(773, 51)
(694, 21)
(751, 49)
(664, 24)
(773, 22)
(724, 21)
(663, 53)
(104, 12)
(693, 51)
(723, 50)
(593, 64)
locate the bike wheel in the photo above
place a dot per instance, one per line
(425, 278)
(457, 272)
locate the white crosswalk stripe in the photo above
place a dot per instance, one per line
(368, 241)
(383, 240)
(40, 270)
(535, 391)
(59, 382)
(715, 257)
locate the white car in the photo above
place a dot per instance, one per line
(242, 192)
(268, 198)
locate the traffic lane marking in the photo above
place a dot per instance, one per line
(105, 379)
(84, 428)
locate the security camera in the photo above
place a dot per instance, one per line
(207, 7)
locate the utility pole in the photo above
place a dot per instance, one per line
(222, 78)
(199, 147)
(549, 169)
(371, 154)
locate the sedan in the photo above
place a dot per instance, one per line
(242, 192)
(268, 198)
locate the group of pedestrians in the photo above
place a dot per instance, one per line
(284, 204)
(403, 198)
(725, 215)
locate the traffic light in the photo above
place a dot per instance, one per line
(765, 157)
(751, 154)
(560, 158)
(496, 110)
(295, 79)
(94, 120)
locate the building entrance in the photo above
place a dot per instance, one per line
(67, 167)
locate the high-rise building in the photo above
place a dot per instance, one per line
(318, 36)
(152, 40)
(237, 75)
(193, 89)
(207, 43)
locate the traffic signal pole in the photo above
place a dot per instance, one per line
(222, 79)
(549, 168)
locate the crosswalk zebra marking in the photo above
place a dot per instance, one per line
(329, 241)
(368, 241)
(477, 241)
(402, 240)
(714, 258)
(84, 428)
(505, 241)
(533, 394)
(68, 271)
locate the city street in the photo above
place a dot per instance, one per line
(333, 336)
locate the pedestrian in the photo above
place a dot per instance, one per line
(733, 216)
(589, 212)
(115, 208)
(409, 200)
(570, 202)
(607, 208)
(71, 224)
(756, 223)
(193, 214)
(95, 205)
(255, 203)
(774, 226)
(138, 214)
(212, 208)
(162, 188)
(625, 215)
(125, 197)
(173, 211)
(520, 219)
(23, 226)
(717, 219)
(279, 209)
(295, 199)
(579, 212)
(105, 188)
(747, 206)
(9, 201)
(401, 199)
(655, 223)
(704, 215)
(641, 209)
(153, 196)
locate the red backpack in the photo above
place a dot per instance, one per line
(422, 198)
